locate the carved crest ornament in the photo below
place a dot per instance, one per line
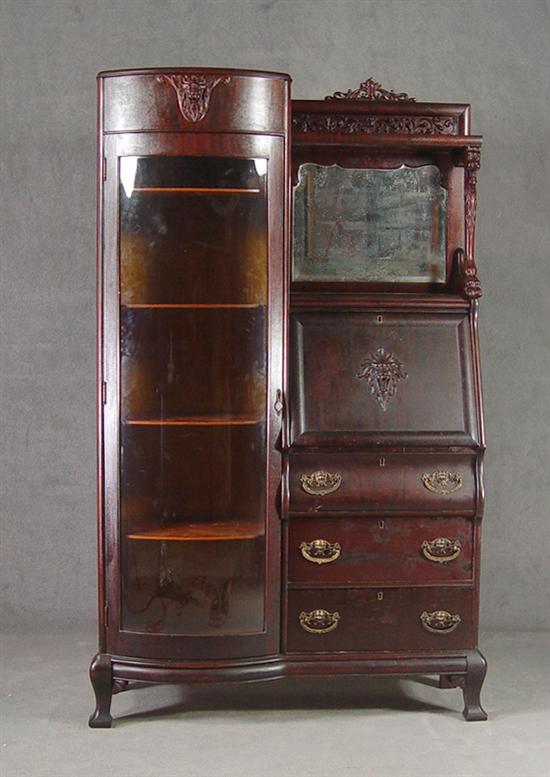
(193, 93)
(371, 90)
(373, 124)
(383, 372)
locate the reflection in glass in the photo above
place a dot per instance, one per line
(193, 287)
(369, 224)
(193, 230)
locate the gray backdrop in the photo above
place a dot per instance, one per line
(493, 54)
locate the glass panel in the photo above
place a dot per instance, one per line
(193, 287)
(369, 225)
(193, 230)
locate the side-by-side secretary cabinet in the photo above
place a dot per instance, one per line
(290, 421)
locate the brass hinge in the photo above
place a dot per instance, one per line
(104, 168)
(104, 392)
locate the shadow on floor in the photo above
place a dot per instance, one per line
(299, 694)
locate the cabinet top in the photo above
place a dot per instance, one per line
(147, 71)
(184, 99)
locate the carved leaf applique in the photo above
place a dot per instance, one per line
(383, 372)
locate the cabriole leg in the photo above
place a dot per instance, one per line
(476, 668)
(101, 676)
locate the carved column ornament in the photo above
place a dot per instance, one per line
(193, 93)
(371, 90)
(466, 261)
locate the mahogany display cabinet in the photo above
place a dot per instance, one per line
(290, 418)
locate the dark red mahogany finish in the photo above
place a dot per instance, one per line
(380, 573)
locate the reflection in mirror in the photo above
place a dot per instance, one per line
(369, 224)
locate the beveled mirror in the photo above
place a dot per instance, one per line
(379, 225)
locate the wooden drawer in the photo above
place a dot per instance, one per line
(220, 101)
(379, 619)
(327, 482)
(366, 550)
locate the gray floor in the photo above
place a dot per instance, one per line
(371, 727)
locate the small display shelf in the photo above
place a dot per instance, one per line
(193, 190)
(191, 306)
(213, 420)
(218, 531)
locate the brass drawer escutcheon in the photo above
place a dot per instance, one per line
(442, 482)
(278, 405)
(319, 621)
(441, 549)
(321, 483)
(439, 621)
(320, 551)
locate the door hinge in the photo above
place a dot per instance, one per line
(104, 168)
(104, 393)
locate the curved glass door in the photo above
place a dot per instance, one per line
(193, 372)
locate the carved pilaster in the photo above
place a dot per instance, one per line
(466, 261)
(471, 166)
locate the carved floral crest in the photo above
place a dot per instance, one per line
(193, 93)
(383, 372)
(371, 90)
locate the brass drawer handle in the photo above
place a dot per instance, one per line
(442, 482)
(319, 621)
(439, 621)
(320, 551)
(441, 549)
(321, 483)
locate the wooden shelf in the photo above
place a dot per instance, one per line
(193, 190)
(218, 531)
(185, 306)
(206, 420)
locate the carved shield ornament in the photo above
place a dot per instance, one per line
(193, 93)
